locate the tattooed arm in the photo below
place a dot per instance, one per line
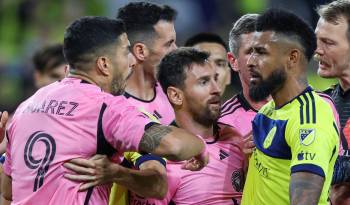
(171, 142)
(305, 188)
(149, 181)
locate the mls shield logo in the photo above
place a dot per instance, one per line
(307, 136)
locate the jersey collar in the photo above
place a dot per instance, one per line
(216, 131)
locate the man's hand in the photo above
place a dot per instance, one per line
(92, 172)
(3, 121)
(197, 163)
(248, 144)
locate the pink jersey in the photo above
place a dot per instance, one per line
(220, 182)
(65, 120)
(236, 112)
(159, 106)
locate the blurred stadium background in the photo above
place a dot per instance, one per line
(27, 25)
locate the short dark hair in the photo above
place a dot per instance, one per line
(140, 17)
(205, 38)
(333, 11)
(173, 67)
(290, 26)
(89, 35)
(48, 58)
(244, 25)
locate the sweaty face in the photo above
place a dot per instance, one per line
(218, 60)
(121, 65)
(162, 44)
(333, 48)
(202, 93)
(265, 66)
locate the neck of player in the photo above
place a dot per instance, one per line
(289, 90)
(186, 121)
(141, 84)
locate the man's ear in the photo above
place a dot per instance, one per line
(140, 51)
(103, 65)
(294, 58)
(232, 61)
(175, 96)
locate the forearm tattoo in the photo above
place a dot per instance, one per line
(152, 137)
(305, 188)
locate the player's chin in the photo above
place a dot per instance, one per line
(215, 112)
(214, 108)
(325, 73)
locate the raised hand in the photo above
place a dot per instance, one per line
(248, 144)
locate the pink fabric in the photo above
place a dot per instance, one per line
(58, 123)
(220, 182)
(159, 107)
(236, 115)
(336, 116)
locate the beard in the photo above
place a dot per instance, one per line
(206, 117)
(118, 87)
(119, 83)
(261, 90)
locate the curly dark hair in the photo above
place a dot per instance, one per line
(291, 26)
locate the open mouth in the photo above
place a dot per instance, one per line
(254, 76)
(215, 101)
(323, 65)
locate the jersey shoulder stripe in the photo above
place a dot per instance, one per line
(307, 109)
(228, 104)
(229, 112)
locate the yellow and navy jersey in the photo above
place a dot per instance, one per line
(300, 136)
(119, 194)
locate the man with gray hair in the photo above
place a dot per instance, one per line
(240, 110)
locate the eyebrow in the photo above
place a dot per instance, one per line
(204, 77)
(326, 39)
(170, 41)
(258, 48)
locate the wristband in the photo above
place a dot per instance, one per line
(148, 157)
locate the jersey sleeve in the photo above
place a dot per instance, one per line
(313, 145)
(124, 125)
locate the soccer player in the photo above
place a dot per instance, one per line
(295, 133)
(239, 111)
(80, 116)
(190, 82)
(49, 64)
(333, 54)
(150, 28)
(213, 44)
